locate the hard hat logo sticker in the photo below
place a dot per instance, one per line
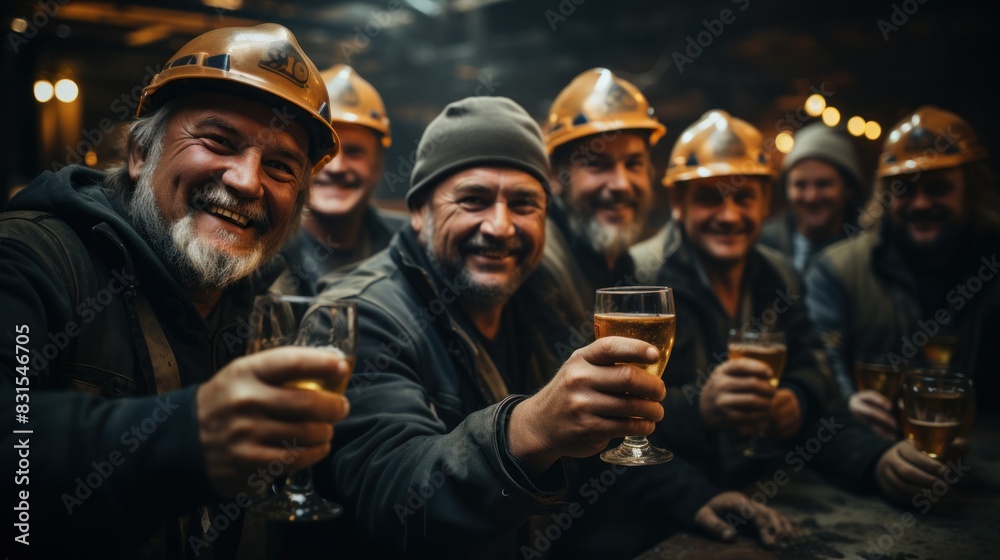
(285, 60)
(618, 100)
(348, 96)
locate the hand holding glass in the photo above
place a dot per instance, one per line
(303, 321)
(764, 346)
(645, 313)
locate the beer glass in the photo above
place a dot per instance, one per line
(936, 403)
(764, 346)
(279, 320)
(874, 372)
(940, 348)
(645, 313)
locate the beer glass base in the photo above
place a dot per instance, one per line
(297, 508)
(636, 452)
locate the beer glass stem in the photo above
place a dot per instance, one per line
(299, 482)
(636, 441)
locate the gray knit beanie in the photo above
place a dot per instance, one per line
(478, 132)
(818, 141)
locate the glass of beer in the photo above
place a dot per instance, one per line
(937, 405)
(766, 346)
(940, 348)
(281, 320)
(645, 313)
(874, 372)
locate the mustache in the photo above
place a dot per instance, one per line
(928, 215)
(480, 242)
(723, 229)
(344, 179)
(608, 197)
(214, 193)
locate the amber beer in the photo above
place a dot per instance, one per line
(933, 438)
(658, 330)
(315, 384)
(934, 419)
(772, 354)
(878, 377)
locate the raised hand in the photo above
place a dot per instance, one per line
(247, 420)
(595, 397)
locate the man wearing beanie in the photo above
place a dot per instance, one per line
(443, 453)
(821, 179)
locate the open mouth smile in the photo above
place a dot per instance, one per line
(228, 215)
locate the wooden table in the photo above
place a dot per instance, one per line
(965, 524)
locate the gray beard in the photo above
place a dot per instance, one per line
(194, 259)
(609, 241)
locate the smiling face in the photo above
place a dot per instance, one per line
(484, 229)
(929, 207)
(722, 216)
(346, 183)
(608, 192)
(220, 193)
(817, 196)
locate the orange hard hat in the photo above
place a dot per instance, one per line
(929, 138)
(718, 144)
(353, 100)
(263, 62)
(598, 101)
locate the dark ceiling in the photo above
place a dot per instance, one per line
(759, 60)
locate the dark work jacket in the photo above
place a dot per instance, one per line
(112, 462)
(778, 233)
(307, 260)
(775, 298)
(421, 461)
(864, 298)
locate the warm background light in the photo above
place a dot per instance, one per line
(831, 116)
(856, 126)
(784, 142)
(815, 104)
(18, 25)
(91, 158)
(66, 90)
(872, 130)
(43, 91)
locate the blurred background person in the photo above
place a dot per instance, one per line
(821, 180)
(925, 266)
(341, 226)
(721, 178)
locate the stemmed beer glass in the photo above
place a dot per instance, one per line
(645, 313)
(280, 320)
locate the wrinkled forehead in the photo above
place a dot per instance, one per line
(257, 122)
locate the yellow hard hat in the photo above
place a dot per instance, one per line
(929, 138)
(353, 100)
(264, 62)
(598, 101)
(718, 144)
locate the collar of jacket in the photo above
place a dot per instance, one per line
(411, 258)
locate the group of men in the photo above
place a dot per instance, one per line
(478, 386)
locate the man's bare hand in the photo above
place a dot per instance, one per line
(595, 397)
(772, 525)
(248, 420)
(872, 408)
(738, 394)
